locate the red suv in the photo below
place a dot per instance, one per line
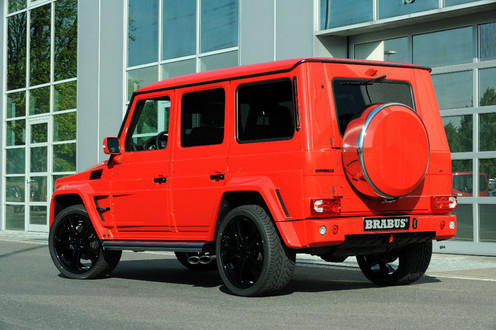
(241, 169)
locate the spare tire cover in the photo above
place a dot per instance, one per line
(386, 151)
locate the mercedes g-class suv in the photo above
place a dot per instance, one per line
(240, 169)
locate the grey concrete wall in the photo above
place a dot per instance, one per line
(100, 77)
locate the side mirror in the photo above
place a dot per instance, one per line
(111, 146)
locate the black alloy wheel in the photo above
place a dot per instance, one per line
(251, 258)
(75, 247)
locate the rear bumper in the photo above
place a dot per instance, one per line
(310, 233)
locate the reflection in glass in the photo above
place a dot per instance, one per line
(179, 31)
(16, 133)
(465, 223)
(16, 104)
(176, 69)
(38, 215)
(487, 167)
(487, 86)
(393, 50)
(14, 217)
(38, 189)
(487, 132)
(140, 77)
(65, 41)
(39, 159)
(65, 96)
(443, 48)
(64, 157)
(456, 2)
(39, 133)
(55, 178)
(40, 45)
(15, 189)
(39, 100)
(142, 32)
(15, 5)
(219, 24)
(15, 160)
(16, 51)
(463, 178)
(344, 12)
(459, 132)
(219, 61)
(64, 127)
(397, 8)
(454, 90)
(487, 33)
(487, 223)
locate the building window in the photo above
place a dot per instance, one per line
(40, 107)
(169, 38)
(335, 13)
(397, 8)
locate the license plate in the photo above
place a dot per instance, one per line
(385, 224)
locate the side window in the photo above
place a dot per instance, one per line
(202, 118)
(265, 111)
(149, 127)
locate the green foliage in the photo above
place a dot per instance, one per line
(460, 137)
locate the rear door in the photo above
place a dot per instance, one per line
(200, 159)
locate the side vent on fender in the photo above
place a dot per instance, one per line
(96, 175)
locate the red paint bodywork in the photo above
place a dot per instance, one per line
(126, 204)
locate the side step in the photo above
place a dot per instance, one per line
(154, 246)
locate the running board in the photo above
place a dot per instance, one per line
(154, 246)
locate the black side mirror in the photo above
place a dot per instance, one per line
(111, 146)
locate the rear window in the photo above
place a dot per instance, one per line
(353, 96)
(265, 111)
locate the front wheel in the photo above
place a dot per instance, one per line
(399, 267)
(75, 248)
(251, 258)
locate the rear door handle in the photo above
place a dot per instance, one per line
(217, 177)
(160, 179)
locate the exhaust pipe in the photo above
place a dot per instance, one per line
(206, 259)
(194, 260)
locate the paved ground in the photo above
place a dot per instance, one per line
(153, 291)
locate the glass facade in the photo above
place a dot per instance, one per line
(169, 38)
(41, 81)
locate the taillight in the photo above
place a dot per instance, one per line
(325, 207)
(444, 202)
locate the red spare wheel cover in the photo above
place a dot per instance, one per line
(386, 151)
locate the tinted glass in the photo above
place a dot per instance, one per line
(464, 223)
(65, 96)
(140, 78)
(179, 30)
(64, 127)
(487, 132)
(487, 228)
(219, 24)
(459, 132)
(390, 8)
(393, 50)
(345, 12)
(39, 157)
(14, 217)
(64, 157)
(39, 101)
(15, 159)
(175, 69)
(15, 5)
(202, 118)
(265, 111)
(65, 51)
(456, 2)
(142, 32)
(16, 133)
(16, 51)
(487, 87)
(219, 61)
(454, 90)
(353, 96)
(40, 45)
(487, 33)
(150, 125)
(443, 48)
(16, 104)
(487, 183)
(15, 189)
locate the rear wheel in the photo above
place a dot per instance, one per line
(251, 258)
(75, 247)
(399, 267)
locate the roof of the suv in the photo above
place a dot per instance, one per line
(255, 69)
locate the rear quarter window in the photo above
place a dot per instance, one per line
(354, 96)
(265, 111)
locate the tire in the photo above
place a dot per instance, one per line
(399, 267)
(75, 247)
(197, 261)
(251, 258)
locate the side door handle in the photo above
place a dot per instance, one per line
(217, 177)
(160, 179)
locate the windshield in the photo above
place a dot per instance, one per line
(353, 96)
